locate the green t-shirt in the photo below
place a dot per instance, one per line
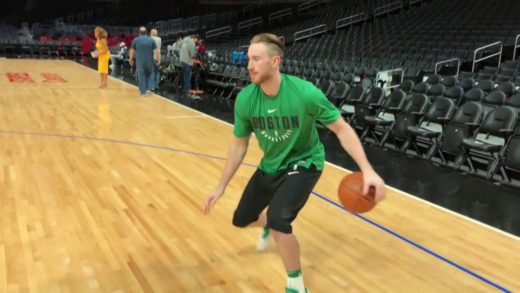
(285, 125)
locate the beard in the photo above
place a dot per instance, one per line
(260, 78)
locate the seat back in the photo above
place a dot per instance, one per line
(341, 90)
(512, 155)
(433, 79)
(437, 90)
(499, 118)
(467, 83)
(474, 95)
(395, 100)
(454, 93)
(486, 85)
(507, 87)
(456, 130)
(326, 86)
(449, 81)
(421, 88)
(441, 108)
(416, 103)
(406, 86)
(356, 94)
(514, 102)
(374, 96)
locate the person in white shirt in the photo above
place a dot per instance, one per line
(156, 73)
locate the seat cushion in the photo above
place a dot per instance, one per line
(480, 145)
(371, 120)
(423, 132)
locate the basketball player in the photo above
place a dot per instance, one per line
(282, 111)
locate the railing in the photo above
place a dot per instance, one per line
(343, 22)
(515, 47)
(193, 23)
(177, 25)
(308, 5)
(386, 76)
(307, 33)
(218, 31)
(449, 61)
(209, 20)
(387, 8)
(281, 14)
(499, 54)
(257, 21)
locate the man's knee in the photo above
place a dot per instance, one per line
(242, 220)
(279, 223)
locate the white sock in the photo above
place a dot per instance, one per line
(263, 241)
(296, 283)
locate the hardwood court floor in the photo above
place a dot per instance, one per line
(102, 191)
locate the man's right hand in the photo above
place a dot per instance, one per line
(212, 199)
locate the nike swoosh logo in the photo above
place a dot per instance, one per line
(292, 173)
(271, 111)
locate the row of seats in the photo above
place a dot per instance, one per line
(422, 118)
(473, 138)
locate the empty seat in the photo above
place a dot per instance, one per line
(431, 127)
(326, 86)
(339, 93)
(486, 85)
(474, 95)
(514, 102)
(433, 79)
(437, 90)
(407, 86)
(467, 83)
(493, 100)
(507, 87)
(376, 126)
(509, 164)
(354, 96)
(462, 125)
(449, 81)
(490, 141)
(455, 93)
(421, 88)
(411, 114)
(368, 107)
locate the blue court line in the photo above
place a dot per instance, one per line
(420, 247)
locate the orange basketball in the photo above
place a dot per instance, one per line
(350, 193)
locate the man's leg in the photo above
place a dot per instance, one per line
(287, 201)
(257, 195)
(150, 78)
(157, 76)
(186, 78)
(141, 79)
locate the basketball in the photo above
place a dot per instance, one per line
(350, 193)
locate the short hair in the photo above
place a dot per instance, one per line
(142, 31)
(153, 32)
(274, 44)
(100, 32)
(196, 36)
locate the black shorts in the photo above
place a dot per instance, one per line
(285, 193)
